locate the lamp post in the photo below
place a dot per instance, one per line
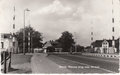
(29, 37)
(24, 31)
(75, 37)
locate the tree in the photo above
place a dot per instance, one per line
(36, 38)
(80, 48)
(66, 41)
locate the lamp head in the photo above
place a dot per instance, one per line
(27, 9)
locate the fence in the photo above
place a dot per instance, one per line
(102, 55)
(6, 61)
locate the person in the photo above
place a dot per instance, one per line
(46, 52)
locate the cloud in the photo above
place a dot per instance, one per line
(55, 8)
(79, 11)
(51, 17)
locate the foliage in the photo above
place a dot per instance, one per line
(80, 48)
(50, 49)
(66, 41)
(36, 38)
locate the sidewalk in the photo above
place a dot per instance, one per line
(41, 64)
(20, 64)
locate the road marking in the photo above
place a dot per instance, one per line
(86, 64)
(107, 70)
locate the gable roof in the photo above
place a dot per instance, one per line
(98, 43)
(47, 44)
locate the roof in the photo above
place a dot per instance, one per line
(110, 42)
(6, 36)
(98, 43)
(117, 43)
(47, 44)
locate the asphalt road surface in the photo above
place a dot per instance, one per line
(86, 64)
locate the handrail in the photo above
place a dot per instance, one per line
(8, 57)
(5, 57)
(2, 62)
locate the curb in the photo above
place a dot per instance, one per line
(102, 55)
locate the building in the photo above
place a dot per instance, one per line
(118, 45)
(105, 46)
(38, 50)
(46, 45)
(52, 46)
(57, 46)
(7, 43)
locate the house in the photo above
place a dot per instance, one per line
(52, 46)
(8, 43)
(104, 46)
(46, 45)
(57, 46)
(117, 45)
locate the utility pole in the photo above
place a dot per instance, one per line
(119, 36)
(29, 40)
(75, 37)
(92, 35)
(24, 49)
(29, 36)
(13, 34)
(31, 43)
(91, 39)
(113, 29)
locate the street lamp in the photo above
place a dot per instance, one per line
(24, 31)
(75, 38)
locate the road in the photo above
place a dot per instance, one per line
(85, 64)
(63, 63)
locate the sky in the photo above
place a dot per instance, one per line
(52, 17)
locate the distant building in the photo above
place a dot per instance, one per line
(52, 46)
(38, 50)
(8, 43)
(46, 45)
(117, 42)
(105, 46)
(88, 49)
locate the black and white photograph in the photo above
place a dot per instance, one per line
(60, 36)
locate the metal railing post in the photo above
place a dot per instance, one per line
(5, 62)
(10, 61)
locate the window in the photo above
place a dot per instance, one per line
(14, 44)
(2, 44)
